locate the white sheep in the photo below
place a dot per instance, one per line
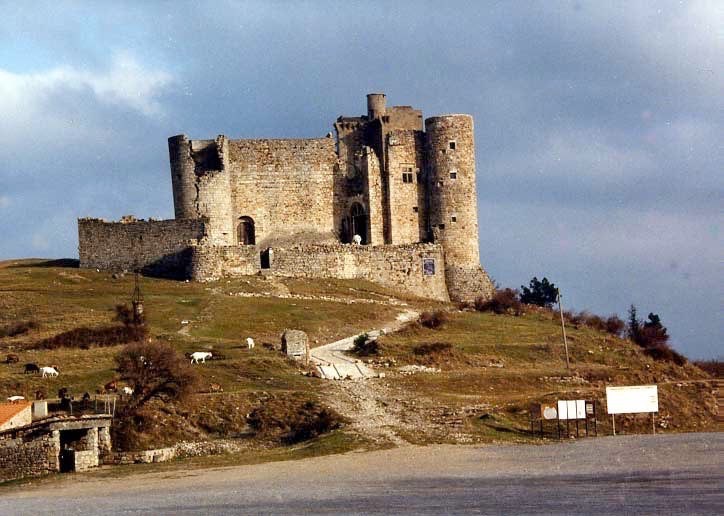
(127, 391)
(357, 240)
(200, 355)
(15, 399)
(250, 343)
(49, 371)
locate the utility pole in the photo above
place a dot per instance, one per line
(563, 326)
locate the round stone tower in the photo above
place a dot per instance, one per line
(450, 148)
(376, 105)
(183, 178)
(201, 186)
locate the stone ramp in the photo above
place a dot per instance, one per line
(345, 371)
(333, 362)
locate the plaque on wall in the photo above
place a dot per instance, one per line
(428, 266)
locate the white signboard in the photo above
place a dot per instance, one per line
(571, 409)
(632, 400)
(580, 409)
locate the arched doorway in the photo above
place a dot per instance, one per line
(245, 231)
(357, 222)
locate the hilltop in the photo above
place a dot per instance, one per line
(490, 366)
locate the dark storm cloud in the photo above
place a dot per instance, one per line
(598, 125)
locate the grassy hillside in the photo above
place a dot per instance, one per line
(472, 399)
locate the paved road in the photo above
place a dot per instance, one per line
(664, 474)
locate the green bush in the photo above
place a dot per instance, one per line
(365, 346)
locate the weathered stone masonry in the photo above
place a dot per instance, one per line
(388, 179)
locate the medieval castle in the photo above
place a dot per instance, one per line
(386, 200)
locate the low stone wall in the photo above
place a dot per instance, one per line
(158, 247)
(25, 456)
(180, 450)
(399, 267)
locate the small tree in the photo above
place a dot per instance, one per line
(633, 326)
(653, 332)
(539, 292)
(154, 370)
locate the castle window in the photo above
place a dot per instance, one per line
(452, 144)
(453, 174)
(441, 226)
(407, 177)
(414, 208)
(454, 218)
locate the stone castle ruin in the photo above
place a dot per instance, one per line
(390, 199)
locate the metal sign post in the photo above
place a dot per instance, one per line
(563, 325)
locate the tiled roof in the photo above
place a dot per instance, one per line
(10, 410)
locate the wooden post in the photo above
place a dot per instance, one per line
(563, 326)
(653, 422)
(613, 423)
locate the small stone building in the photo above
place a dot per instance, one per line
(295, 344)
(54, 444)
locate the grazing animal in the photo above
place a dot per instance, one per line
(200, 355)
(31, 368)
(111, 386)
(49, 371)
(215, 387)
(250, 343)
(15, 399)
(39, 395)
(12, 358)
(357, 240)
(127, 391)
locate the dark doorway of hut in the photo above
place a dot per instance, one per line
(70, 440)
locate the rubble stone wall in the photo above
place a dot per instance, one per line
(158, 247)
(23, 456)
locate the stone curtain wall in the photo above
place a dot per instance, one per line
(286, 186)
(158, 247)
(21, 457)
(396, 267)
(213, 262)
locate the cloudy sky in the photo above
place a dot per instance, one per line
(598, 124)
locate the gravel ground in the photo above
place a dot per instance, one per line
(662, 474)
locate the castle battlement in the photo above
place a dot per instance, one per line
(389, 180)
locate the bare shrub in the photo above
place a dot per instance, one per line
(18, 328)
(662, 351)
(505, 301)
(433, 319)
(713, 367)
(293, 420)
(86, 338)
(615, 325)
(432, 348)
